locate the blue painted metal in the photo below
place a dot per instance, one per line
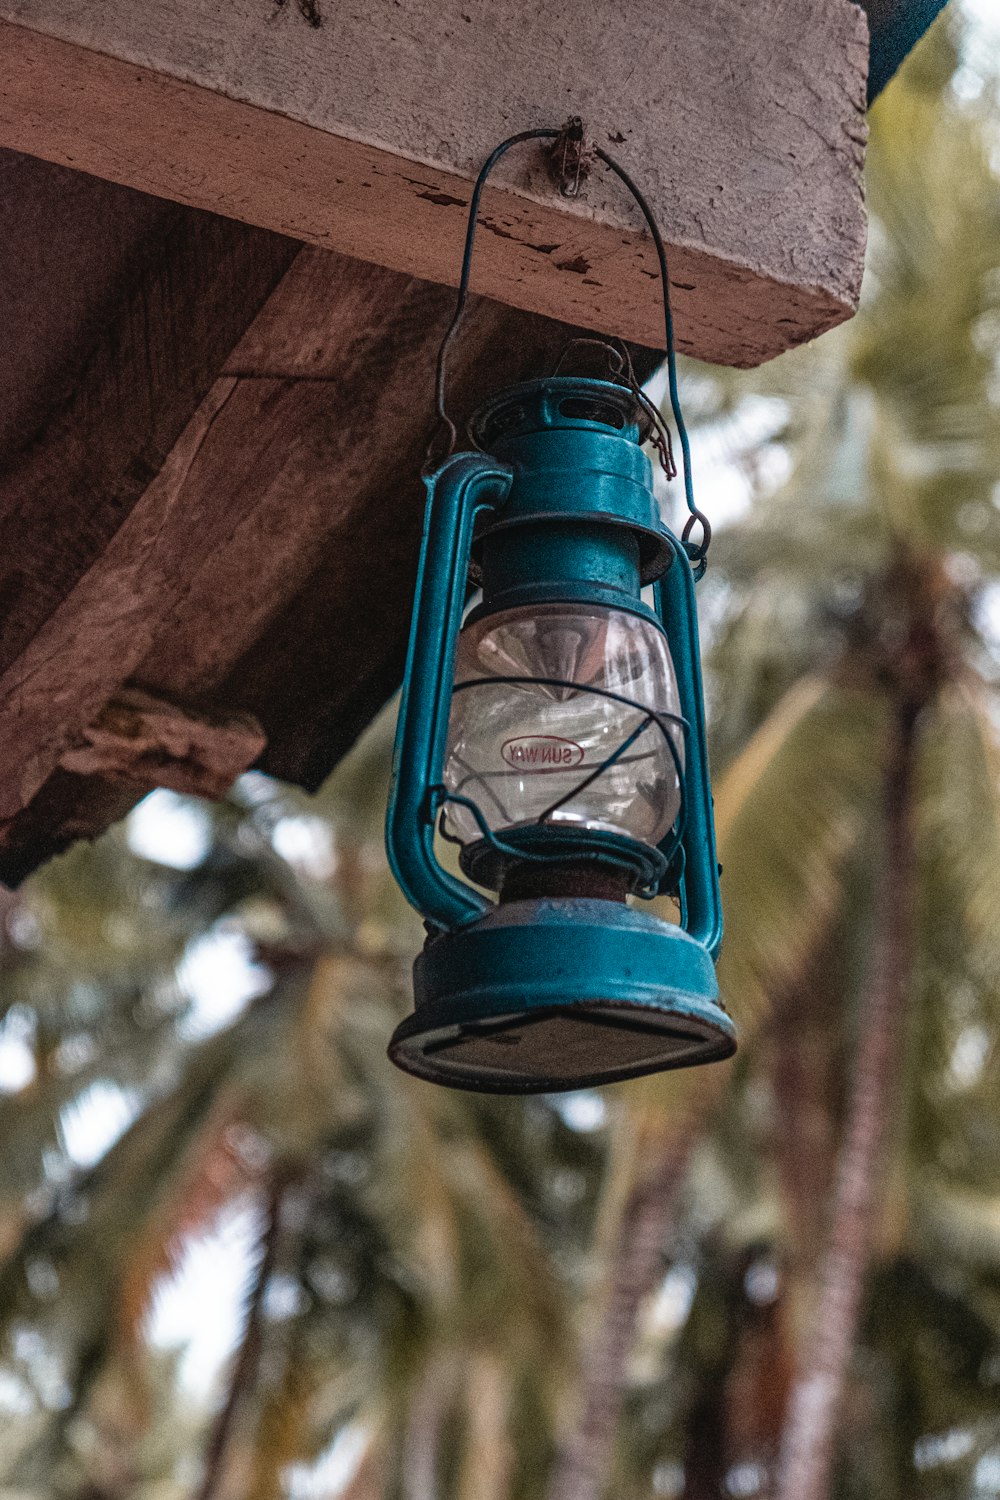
(466, 484)
(572, 469)
(675, 603)
(545, 995)
(895, 27)
(561, 509)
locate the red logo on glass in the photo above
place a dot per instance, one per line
(541, 752)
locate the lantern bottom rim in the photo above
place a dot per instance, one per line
(547, 995)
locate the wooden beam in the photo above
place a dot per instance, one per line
(268, 568)
(187, 292)
(113, 343)
(67, 808)
(68, 245)
(744, 122)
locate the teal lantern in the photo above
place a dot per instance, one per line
(554, 735)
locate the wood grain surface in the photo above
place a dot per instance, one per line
(744, 123)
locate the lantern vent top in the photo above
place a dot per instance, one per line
(559, 402)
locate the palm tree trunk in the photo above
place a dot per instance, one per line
(807, 1448)
(244, 1372)
(428, 1412)
(485, 1472)
(584, 1464)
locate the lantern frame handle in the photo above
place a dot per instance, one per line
(464, 485)
(674, 603)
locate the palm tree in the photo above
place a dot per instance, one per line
(843, 614)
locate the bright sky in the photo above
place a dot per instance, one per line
(986, 13)
(201, 1309)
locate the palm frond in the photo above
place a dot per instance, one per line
(789, 813)
(958, 810)
(958, 1225)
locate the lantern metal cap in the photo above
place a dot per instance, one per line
(547, 995)
(557, 401)
(574, 445)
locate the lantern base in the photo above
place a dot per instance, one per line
(546, 995)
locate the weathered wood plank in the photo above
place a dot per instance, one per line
(67, 808)
(188, 293)
(156, 296)
(269, 566)
(297, 455)
(68, 245)
(140, 740)
(745, 123)
(104, 624)
(236, 520)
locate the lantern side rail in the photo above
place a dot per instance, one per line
(464, 485)
(674, 602)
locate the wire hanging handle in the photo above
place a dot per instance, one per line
(568, 161)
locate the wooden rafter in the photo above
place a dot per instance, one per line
(256, 559)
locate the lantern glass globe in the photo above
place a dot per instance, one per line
(543, 696)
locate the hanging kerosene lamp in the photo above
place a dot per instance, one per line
(556, 735)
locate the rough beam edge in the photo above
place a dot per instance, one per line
(80, 107)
